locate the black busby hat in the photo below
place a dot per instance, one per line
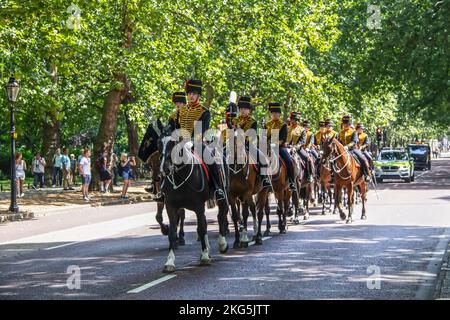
(274, 107)
(321, 123)
(360, 126)
(346, 119)
(328, 122)
(179, 97)
(305, 123)
(193, 85)
(244, 102)
(295, 116)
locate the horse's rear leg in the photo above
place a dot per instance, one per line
(363, 200)
(255, 219)
(170, 263)
(267, 212)
(281, 212)
(350, 202)
(205, 258)
(337, 201)
(223, 222)
(244, 240)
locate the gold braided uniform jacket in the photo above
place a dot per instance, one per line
(191, 113)
(363, 141)
(330, 133)
(318, 139)
(348, 137)
(280, 125)
(294, 134)
(244, 123)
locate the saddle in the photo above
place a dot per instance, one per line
(358, 164)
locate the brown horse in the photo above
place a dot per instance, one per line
(347, 174)
(280, 188)
(244, 183)
(154, 163)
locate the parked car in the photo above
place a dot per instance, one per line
(394, 164)
(421, 154)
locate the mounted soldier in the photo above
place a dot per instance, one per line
(179, 99)
(246, 121)
(329, 132)
(364, 143)
(319, 135)
(349, 139)
(277, 124)
(186, 119)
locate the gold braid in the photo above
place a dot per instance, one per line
(190, 114)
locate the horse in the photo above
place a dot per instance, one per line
(348, 174)
(244, 184)
(186, 185)
(280, 188)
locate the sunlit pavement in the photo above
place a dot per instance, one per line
(118, 253)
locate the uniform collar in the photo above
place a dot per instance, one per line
(193, 105)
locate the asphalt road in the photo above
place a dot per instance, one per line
(118, 252)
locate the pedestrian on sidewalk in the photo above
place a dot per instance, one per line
(66, 170)
(125, 167)
(38, 164)
(105, 175)
(85, 172)
(21, 167)
(73, 169)
(115, 170)
(57, 174)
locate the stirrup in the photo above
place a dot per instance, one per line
(159, 197)
(266, 183)
(292, 185)
(219, 195)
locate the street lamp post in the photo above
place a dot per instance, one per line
(12, 91)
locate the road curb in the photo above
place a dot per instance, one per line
(442, 290)
(29, 215)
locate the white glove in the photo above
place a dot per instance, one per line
(346, 148)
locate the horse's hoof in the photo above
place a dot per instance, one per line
(244, 244)
(168, 269)
(349, 221)
(306, 217)
(236, 245)
(267, 233)
(324, 213)
(254, 238)
(363, 217)
(165, 230)
(258, 241)
(181, 241)
(205, 262)
(343, 216)
(222, 251)
(282, 231)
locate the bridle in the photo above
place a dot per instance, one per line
(333, 162)
(174, 168)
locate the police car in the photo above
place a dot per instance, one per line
(394, 164)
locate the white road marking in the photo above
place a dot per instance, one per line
(63, 245)
(251, 243)
(153, 283)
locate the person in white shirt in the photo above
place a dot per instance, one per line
(38, 164)
(21, 167)
(84, 167)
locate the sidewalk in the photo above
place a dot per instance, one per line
(443, 281)
(46, 201)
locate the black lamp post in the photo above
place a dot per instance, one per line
(12, 91)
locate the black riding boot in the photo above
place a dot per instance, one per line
(219, 192)
(264, 178)
(309, 171)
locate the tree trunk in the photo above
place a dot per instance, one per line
(133, 140)
(51, 142)
(108, 125)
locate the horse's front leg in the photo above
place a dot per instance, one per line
(280, 207)
(252, 207)
(337, 201)
(244, 234)
(159, 219)
(170, 263)
(205, 258)
(235, 217)
(223, 225)
(181, 215)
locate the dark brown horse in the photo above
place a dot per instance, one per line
(244, 184)
(326, 185)
(347, 174)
